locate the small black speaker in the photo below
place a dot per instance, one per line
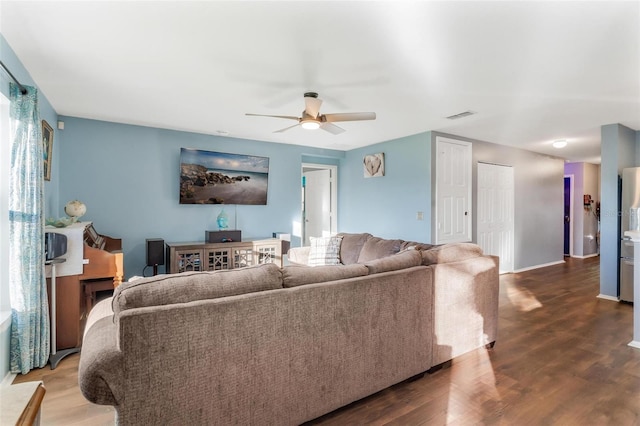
(155, 251)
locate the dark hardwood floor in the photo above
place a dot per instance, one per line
(561, 359)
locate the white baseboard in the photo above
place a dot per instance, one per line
(8, 379)
(587, 256)
(635, 344)
(607, 297)
(529, 268)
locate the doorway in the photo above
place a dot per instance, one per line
(568, 215)
(319, 201)
(496, 213)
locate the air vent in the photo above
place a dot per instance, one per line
(461, 115)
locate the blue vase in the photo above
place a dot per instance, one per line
(223, 220)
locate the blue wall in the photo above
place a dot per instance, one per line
(387, 206)
(128, 176)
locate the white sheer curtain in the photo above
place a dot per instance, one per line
(28, 288)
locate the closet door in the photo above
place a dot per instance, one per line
(452, 191)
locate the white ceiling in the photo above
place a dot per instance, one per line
(533, 71)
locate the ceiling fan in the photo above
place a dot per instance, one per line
(312, 119)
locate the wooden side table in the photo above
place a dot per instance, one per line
(20, 403)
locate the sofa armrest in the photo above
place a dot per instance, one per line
(100, 372)
(465, 306)
(299, 255)
(450, 252)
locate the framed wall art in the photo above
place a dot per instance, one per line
(47, 148)
(373, 165)
(208, 177)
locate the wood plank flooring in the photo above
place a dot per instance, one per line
(561, 359)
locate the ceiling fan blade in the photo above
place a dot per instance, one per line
(288, 117)
(349, 116)
(312, 106)
(286, 128)
(332, 128)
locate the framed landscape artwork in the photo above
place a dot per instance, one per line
(208, 177)
(47, 148)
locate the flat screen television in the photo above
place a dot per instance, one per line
(208, 177)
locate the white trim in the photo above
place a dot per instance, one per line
(587, 256)
(8, 379)
(544, 265)
(634, 344)
(5, 320)
(607, 297)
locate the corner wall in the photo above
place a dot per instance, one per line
(618, 150)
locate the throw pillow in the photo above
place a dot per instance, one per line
(324, 251)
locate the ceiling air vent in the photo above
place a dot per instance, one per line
(460, 115)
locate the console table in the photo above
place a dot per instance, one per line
(183, 257)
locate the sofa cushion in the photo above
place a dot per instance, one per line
(402, 260)
(324, 251)
(293, 276)
(190, 286)
(451, 252)
(351, 246)
(377, 248)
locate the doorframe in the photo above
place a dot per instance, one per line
(333, 185)
(571, 195)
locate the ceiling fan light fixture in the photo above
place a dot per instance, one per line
(559, 144)
(310, 125)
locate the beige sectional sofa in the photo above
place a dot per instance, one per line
(279, 346)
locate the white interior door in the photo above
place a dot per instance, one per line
(496, 213)
(453, 191)
(319, 202)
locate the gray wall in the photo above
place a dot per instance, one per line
(618, 150)
(539, 199)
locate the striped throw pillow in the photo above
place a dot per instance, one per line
(324, 251)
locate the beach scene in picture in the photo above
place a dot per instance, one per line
(208, 177)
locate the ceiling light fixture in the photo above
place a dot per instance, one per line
(310, 125)
(560, 144)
